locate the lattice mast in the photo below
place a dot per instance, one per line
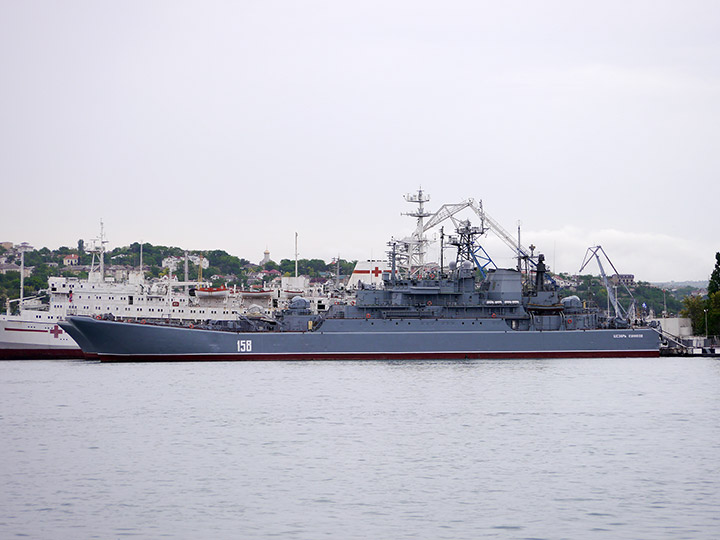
(468, 248)
(97, 248)
(416, 244)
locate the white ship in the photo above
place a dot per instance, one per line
(34, 332)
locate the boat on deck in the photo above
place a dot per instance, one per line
(212, 292)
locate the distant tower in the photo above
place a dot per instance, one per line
(266, 257)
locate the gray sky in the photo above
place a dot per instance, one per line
(232, 125)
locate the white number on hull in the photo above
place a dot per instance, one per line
(244, 345)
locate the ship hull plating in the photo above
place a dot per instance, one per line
(356, 339)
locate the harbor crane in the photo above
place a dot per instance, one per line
(487, 223)
(620, 312)
(413, 248)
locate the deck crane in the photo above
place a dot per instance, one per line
(411, 250)
(620, 312)
(487, 223)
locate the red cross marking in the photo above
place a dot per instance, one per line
(376, 272)
(56, 331)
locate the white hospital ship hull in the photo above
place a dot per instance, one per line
(21, 339)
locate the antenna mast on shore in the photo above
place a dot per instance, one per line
(22, 248)
(296, 255)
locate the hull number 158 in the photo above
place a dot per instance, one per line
(244, 345)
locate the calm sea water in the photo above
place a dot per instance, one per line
(610, 448)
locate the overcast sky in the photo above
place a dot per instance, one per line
(233, 125)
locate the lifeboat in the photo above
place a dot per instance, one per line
(260, 293)
(212, 292)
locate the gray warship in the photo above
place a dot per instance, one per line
(462, 312)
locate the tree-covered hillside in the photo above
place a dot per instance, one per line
(591, 289)
(223, 267)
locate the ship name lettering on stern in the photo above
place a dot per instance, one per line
(244, 345)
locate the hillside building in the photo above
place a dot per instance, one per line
(71, 260)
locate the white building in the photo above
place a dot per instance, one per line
(5, 268)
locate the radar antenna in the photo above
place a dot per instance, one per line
(467, 247)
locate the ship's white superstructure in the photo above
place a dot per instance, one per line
(369, 272)
(34, 332)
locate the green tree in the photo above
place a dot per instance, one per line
(347, 267)
(82, 256)
(287, 267)
(713, 320)
(694, 309)
(33, 258)
(714, 283)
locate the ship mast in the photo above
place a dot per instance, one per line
(22, 248)
(296, 255)
(393, 260)
(102, 250)
(97, 265)
(187, 273)
(417, 243)
(337, 272)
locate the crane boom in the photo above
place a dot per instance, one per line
(619, 310)
(448, 211)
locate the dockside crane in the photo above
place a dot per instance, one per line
(410, 251)
(487, 223)
(620, 312)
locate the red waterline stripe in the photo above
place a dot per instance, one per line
(25, 330)
(372, 356)
(40, 354)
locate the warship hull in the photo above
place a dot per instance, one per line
(356, 339)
